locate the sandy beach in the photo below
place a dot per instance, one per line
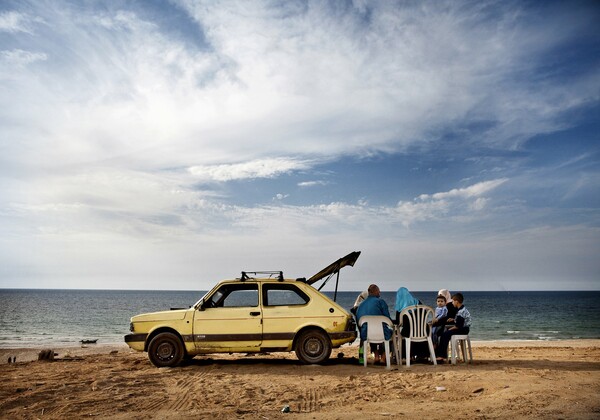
(556, 380)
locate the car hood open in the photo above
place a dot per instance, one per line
(335, 267)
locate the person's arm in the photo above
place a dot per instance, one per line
(459, 322)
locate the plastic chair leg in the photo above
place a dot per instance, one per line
(407, 352)
(470, 350)
(431, 351)
(453, 350)
(398, 348)
(388, 362)
(365, 354)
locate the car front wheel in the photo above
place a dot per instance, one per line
(166, 350)
(313, 346)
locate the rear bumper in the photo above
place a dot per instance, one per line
(346, 335)
(339, 338)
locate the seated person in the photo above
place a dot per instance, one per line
(403, 300)
(440, 312)
(374, 305)
(420, 350)
(462, 325)
(359, 299)
(449, 306)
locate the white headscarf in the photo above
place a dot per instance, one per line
(360, 298)
(446, 294)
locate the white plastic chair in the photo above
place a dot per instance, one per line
(461, 342)
(418, 317)
(376, 335)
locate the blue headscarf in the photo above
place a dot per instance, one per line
(404, 299)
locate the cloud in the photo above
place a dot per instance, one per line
(116, 118)
(14, 22)
(441, 204)
(262, 168)
(309, 184)
(280, 196)
(19, 57)
(308, 80)
(474, 190)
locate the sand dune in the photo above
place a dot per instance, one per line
(508, 380)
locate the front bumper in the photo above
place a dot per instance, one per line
(136, 341)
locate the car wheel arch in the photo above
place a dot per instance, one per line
(307, 328)
(312, 345)
(162, 330)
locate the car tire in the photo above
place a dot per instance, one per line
(166, 350)
(313, 346)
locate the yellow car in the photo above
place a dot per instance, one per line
(251, 314)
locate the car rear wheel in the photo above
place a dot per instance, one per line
(166, 350)
(313, 346)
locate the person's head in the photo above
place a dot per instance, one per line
(457, 300)
(446, 294)
(374, 290)
(441, 301)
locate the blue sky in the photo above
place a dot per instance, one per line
(171, 144)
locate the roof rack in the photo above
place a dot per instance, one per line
(245, 275)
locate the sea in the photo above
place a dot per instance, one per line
(40, 318)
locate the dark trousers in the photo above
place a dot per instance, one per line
(442, 350)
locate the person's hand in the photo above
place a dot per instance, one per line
(453, 328)
(450, 319)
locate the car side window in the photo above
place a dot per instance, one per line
(283, 295)
(234, 295)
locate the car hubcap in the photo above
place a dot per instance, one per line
(313, 347)
(165, 351)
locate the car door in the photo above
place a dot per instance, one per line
(285, 311)
(230, 319)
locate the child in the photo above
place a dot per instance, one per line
(440, 312)
(462, 324)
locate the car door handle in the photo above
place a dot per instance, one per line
(255, 313)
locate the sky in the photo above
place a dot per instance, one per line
(167, 145)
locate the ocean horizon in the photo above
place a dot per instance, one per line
(43, 317)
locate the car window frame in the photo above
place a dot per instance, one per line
(234, 287)
(283, 286)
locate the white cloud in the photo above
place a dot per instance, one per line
(474, 190)
(309, 184)
(479, 204)
(277, 80)
(14, 22)
(110, 121)
(262, 168)
(280, 196)
(19, 57)
(442, 204)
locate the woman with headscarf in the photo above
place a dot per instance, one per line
(451, 308)
(439, 323)
(404, 299)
